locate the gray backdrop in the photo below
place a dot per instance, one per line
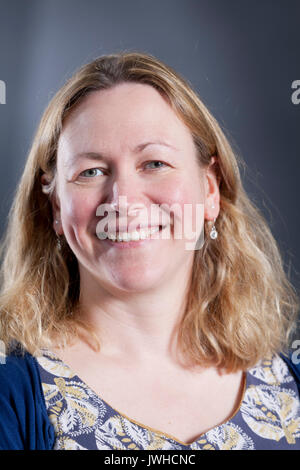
(241, 56)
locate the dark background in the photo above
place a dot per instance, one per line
(241, 56)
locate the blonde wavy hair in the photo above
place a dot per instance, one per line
(240, 308)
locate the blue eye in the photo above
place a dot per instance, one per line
(156, 161)
(90, 173)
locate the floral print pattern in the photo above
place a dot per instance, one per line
(268, 416)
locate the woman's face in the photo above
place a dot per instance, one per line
(110, 147)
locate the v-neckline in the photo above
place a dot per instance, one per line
(141, 425)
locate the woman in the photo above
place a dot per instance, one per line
(144, 303)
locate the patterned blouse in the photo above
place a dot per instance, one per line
(268, 416)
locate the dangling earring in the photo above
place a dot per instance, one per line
(58, 241)
(213, 232)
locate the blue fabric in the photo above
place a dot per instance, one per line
(24, 423)
(294, 368)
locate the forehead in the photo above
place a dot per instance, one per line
(120, 118)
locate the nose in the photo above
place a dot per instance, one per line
(125, 196)
(129, 203)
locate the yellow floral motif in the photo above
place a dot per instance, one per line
(66, 443)
(272, 372)
(208, 447)
(55, 367)
(229, 436)
(278, 418)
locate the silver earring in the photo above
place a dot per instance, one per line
(58, 243)
(213, 232)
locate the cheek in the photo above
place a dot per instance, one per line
(77, 210)
(186, 200)
(187, 190)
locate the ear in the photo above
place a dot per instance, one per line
(54, 199)
(212, 193)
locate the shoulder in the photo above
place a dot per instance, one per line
(293, 363)
(18, 372)
(24, 422)
(279, 370)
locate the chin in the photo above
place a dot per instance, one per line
(135, 283)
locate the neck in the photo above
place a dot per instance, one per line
(135, 326)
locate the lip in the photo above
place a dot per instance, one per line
(131, 244)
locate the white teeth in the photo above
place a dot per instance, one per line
(134, 236)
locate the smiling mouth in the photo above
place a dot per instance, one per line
(136, 235)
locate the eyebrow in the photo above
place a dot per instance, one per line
(142, 146)
(139, 148)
